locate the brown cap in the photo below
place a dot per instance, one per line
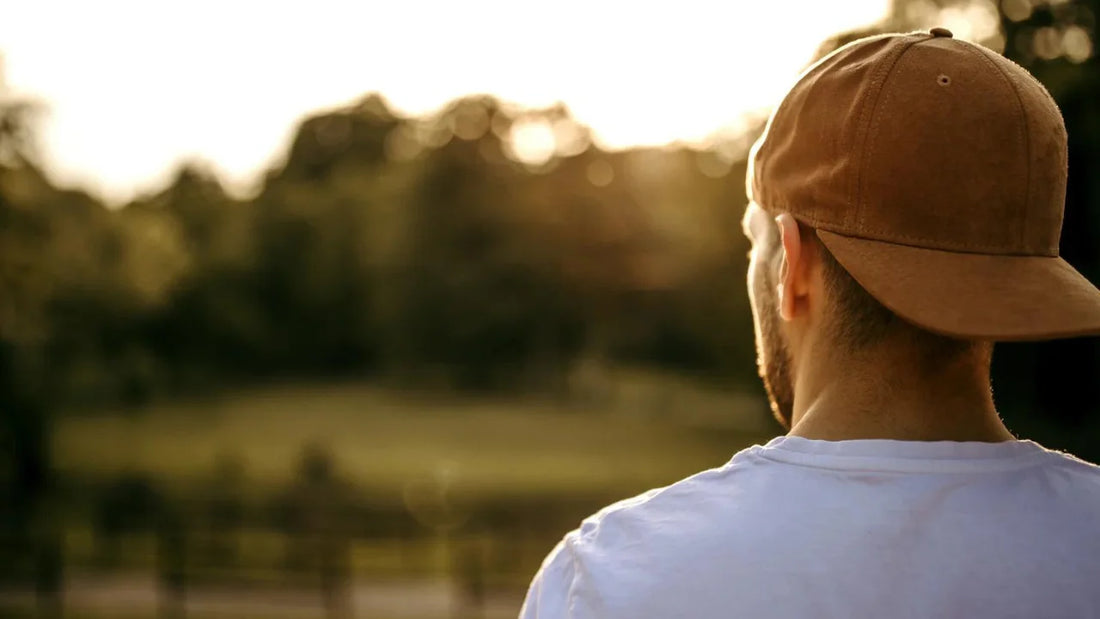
(934, 170)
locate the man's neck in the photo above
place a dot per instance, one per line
(882, 395)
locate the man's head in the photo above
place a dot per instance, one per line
(907, 196)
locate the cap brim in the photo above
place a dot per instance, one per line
(973, 296)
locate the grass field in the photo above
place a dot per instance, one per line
(651, 432)
(385, 439)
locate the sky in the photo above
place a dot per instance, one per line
(132, 89)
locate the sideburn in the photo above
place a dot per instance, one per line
(774, 360)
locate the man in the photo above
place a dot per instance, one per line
(905, 210)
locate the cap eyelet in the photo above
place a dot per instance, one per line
(943, 80)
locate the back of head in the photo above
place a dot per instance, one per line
(933, 172)
(858, 323)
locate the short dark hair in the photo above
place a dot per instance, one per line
(861, 322)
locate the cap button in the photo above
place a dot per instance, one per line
(941, 32)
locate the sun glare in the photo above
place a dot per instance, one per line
(134, 88)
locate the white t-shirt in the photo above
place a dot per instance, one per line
(867, 528)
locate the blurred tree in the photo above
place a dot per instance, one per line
(25, 402)
(313, 229)
(476, 295)
(210, 326)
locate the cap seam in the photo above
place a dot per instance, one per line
(892, 238)
(888, 236)
(1025, 135)
(955, 249)
(879, 85)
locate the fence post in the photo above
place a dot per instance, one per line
(172, 566)
(48, 576)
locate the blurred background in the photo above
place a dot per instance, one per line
(339, 310)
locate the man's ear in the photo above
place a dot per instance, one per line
(793, 270)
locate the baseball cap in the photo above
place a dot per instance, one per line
(934, 170)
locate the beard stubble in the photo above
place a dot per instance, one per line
(773, 359)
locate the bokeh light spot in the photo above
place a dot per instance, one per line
(401, 144)
(532, 142)
(434, 133)
(600, 173)
(712, 164)
(471, 122)
(1047, 43)
(571, 138)
(977, 21)
(1077, 44)
(1016, 10)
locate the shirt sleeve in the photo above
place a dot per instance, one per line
(549, 594)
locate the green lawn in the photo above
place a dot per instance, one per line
(386, 439)
(652, 432)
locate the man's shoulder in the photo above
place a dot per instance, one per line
(1074, 464)
(692, 496)
(638, 550)
(685, 521)
(1083, 476)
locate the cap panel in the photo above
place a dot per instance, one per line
(947, 159)
(1048, 158)
(805, 161)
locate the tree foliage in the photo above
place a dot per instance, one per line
(437, 250)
